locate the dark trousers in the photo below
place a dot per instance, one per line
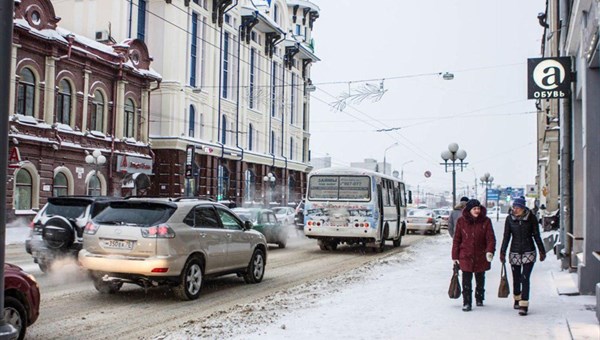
(521, 275)
(467, 281)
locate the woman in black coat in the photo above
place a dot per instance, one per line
(522, 226)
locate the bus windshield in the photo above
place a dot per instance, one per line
(334, 188)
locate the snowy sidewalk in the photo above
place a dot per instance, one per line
(404, 296)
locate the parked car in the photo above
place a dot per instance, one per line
(422, 220)
(21, 299)
(151, 242)
(442, 216)
(266, 222)
(57, 229)
(285, 215)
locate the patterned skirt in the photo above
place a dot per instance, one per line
(520, 259)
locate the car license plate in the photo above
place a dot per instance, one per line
(118, 244)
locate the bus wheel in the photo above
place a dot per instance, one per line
(322, 244)
(397, 241)
(331, 246)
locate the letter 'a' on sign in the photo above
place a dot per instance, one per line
(548, 78)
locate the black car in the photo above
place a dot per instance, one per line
(57, 229)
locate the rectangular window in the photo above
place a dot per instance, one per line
(274, 89)
(298, 29)
(141, 26)
(293, 99)
(194, 50)
(252, 78)
(202, 50)
(225, 79)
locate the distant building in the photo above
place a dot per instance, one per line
(320, 162)
(368, 163)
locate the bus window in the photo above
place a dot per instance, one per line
(402, 195)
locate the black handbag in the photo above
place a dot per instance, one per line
(504, 289)
(454, 289)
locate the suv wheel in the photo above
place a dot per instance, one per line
(44, 266)
(107, 287)
(256, 267)
(15, 315)
(191, 280)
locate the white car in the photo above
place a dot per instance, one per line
(285, 215)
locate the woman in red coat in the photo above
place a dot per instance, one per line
(473, 248)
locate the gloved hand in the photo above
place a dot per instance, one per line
(455, 261)
(489, 256)
(502, 257)
(542, 256)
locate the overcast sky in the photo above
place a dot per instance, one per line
(485, 44)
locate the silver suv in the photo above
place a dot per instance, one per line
(152, 242)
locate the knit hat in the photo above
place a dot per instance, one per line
(464, 199)
(472, 204)
(519, 202)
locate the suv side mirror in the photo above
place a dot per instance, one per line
(247, 225)
(410, 197)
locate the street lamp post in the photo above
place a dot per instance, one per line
(402, 169)
(384, 153)
(96, 159)
(452, 155)
(269, 180)
(486, 181)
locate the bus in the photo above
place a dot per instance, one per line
(355, 206)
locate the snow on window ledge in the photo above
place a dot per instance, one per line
(25, 212)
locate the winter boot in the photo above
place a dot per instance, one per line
(467, 301)
(479, 297)
(523, 306)
(517, 299)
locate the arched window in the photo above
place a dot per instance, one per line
(26, 93)
(250, 184)
(24, 190)
(97, 121)
(192, 122)
(250, 136)
(224, 130)
(94, 188)
(63, 102)
(60, 185)
(129, 118)
(223, 183)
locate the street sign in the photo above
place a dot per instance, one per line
(189, 161)
(493, 194)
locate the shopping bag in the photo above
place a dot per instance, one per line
(504, 289)
(454, 289)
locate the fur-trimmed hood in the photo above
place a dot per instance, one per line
(469, 218)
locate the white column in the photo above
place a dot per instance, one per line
(86, 98)
(118, 109)
(13, 79)
(49, 79)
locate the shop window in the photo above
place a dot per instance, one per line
(94, 188)
(60, 185)
(24, 190)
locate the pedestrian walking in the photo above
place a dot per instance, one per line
(473, 248)
(523, 228)
(455, 214)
